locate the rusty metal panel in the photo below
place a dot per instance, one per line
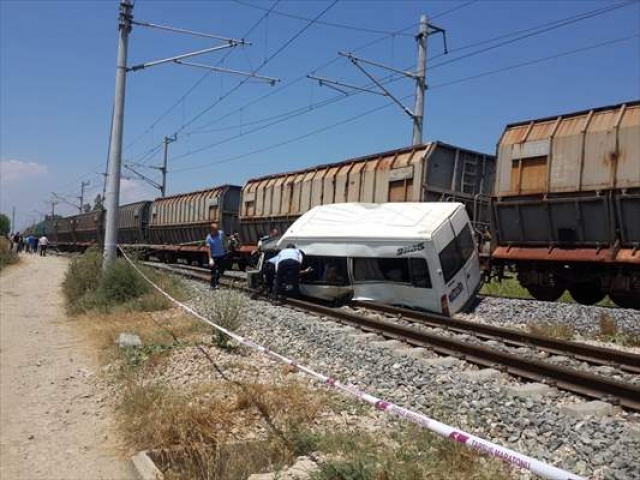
(287, 195)
(329, 187)
(268, 196)
(341, 182)
(305, 191)
(317, 192)
(277, 196)
(369, 180)
(296, 194)
(585, 151)
(354, 193)
(628, 158)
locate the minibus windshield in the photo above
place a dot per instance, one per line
(456, 253)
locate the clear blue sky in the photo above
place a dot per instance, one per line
(57, 68)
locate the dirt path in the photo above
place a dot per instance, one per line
(54, 423)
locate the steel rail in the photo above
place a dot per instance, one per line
(580, 351)
(587, 384)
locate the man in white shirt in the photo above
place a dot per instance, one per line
(43, 243)
(288, 263)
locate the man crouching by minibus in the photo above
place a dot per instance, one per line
(217, 254)
(287, 279)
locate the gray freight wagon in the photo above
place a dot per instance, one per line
(566, 213)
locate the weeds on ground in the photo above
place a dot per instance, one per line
(7, 256)
(88, 289)
(198, 434)
(609, 332)
(227, 312)
(552, 329)
(409, 453)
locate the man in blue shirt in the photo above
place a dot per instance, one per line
(217, 254)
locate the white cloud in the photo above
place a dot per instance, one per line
(15, 170)
(134, 191)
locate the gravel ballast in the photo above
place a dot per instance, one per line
(600, 448)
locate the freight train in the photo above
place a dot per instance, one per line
(559, 205)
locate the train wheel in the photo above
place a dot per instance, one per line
(546, 294)
(586, 293)
(626, 300)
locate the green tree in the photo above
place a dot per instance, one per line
(5, 224)
(97, 203)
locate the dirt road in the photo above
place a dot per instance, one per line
(54, 422)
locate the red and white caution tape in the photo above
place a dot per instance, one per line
(484, 446)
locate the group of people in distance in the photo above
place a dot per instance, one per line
(281, 273)
(29, 244)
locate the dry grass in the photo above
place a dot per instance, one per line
(609, 332)
(552, 329)
(103, 329)
(199, 434)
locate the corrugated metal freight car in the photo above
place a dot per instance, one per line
(133, 220)
(88, 228)
(426, 173)
(567, 205)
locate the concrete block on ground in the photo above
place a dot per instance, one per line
(529, 390)
(301, 470)
(145, 468)
(440, 361)
(390, 344)
(484, 374)
(413, 352)
(129, 340)
(595, 408)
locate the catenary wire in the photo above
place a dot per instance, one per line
(319, 22)
(369, 112)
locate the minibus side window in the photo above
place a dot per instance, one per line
(381, 270)
(420, 272)
(456, 253)
(325, 270)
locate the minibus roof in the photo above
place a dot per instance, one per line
(370, 221)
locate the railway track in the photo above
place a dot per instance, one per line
(584, 383)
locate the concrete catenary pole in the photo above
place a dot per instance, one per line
(112, 194)
(81, 197)
(421, 85)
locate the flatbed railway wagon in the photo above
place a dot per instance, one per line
(179, 224)
(566, 211)
(430, 172)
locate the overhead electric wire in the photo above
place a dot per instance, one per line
(531, 32)
(291, 140)
(537, 60)
(527, 33)
(369, 112)
(199, 81)
(451, 10)
(320, 22)
(282, 47)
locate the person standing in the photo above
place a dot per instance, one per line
(33, 243)
(215, 241)
(43, 243)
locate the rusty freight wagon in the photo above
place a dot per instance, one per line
(179, 224)
(133, 220)
(566, 213)
(425, 173)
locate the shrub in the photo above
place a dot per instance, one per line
(227, 312)
(87, 288)
(6, 255)
(83, 276)
(121, 283)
